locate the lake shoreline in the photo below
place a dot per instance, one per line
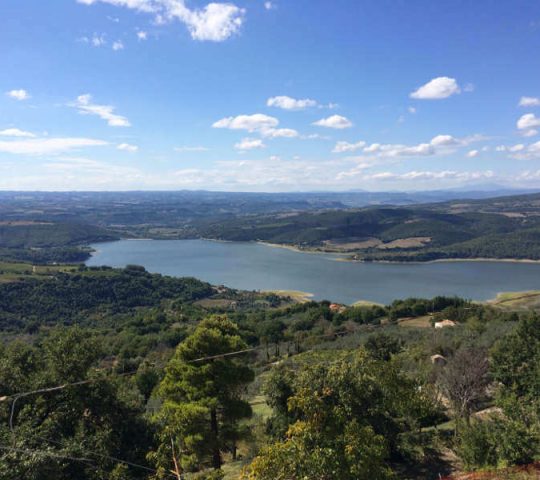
(343, 256)
(346, 255)
(340, 256)
(252, 266)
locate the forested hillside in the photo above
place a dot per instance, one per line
(508, 227)
(49, 242)
(59, 229)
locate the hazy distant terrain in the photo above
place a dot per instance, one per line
(49, 227)
(502, 227)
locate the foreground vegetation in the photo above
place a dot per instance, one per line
(160, 378)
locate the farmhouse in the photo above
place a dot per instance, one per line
(445, 323)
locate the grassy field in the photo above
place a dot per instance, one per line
(215, 303)
(366, 303)
(296, 295)
(12, 272)
(260, 408)
(517, 300)
(416, 322)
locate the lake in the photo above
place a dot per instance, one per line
(253, 266)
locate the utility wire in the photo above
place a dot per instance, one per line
(78, 459)
(16, 396)
(108, 457)
(44, 453)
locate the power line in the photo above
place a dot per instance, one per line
(19, 395)
(65, 385)
(52, 389)
(45, 453)
(16, 396)
(108, 457)
(77, 459)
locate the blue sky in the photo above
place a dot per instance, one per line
(278, 95)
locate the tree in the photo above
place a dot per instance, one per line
(382, 346)
(202, 399)
(516, 359)
(464, 381)
(79, 431)
(513, 436)
(271, 331)
(347, 415)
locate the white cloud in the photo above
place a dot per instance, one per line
(535, 147)
(141, 5)
(397, 150)
(118, 45)
(431, 175)
(289, 103)
(105, 112)
(141, 35)
(191, 149)
(214, 22)
(529, 102)
(126, 147)
(438, 145)
(20, 94)
(279, 133)
(531, 152)
(251, 123)
(314, 136)
(334, 121)
(438, 88)
(15, 132)
(444, 141)
(512, 149)
(342, 147)
(263, 124)
(98, 40)
(269, 5)
(47, 146)
(531, 132)
(473, 153)
(250, 144)
(528, 121)
(411, 110)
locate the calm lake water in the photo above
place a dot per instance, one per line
(253, 266)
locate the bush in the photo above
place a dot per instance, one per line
(499, 442)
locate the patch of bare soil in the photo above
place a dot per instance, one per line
(353, 244)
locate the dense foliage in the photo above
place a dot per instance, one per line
(48, 234)
(203, 399)
(512, 435)
(346, 417)
(99, 422)
(349, 392)
(90, 294)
